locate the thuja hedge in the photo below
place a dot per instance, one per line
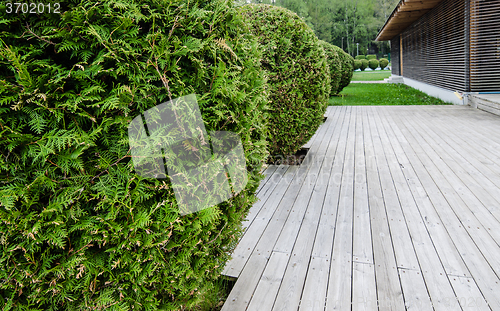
(335, 65)
(79, 229)
(347, 69)
(364, 64)
(373, 64)
(357, 64)
(383, 63)
(298, 75)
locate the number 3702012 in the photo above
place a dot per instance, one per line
(32, 8)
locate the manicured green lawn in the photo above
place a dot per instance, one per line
(382, 94)
(371, 75)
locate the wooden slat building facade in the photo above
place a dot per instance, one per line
(452, 44)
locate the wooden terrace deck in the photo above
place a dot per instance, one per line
(395, 208)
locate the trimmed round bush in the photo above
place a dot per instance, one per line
(383, 63)
(347, 69)
(334, 63)
(373, 64)
(360, 57)
(364, 64)
(357, 64)
(298, 75)
(371, 56)
(79, 228)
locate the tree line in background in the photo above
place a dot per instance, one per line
(344, 23)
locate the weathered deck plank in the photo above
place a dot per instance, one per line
(401, 211)
(389, 293)
(462, 202)
(253, 233)
(362, 248)
(478, 191)
(264, 237)
(269, 171)
(430, 280)
(445, 202)
(447, 252)
(312, 196)
(270, 282)
(340, 281)
(316, 284)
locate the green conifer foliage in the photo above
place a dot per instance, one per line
(373, 64)
(383, 63)
(347, 68)
(364, 64)
(79, 229)
(334, 63)
(357, 64)
(298, 75)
